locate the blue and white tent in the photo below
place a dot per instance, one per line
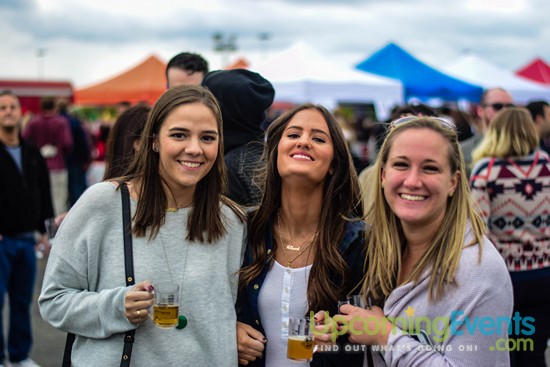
(419, 80)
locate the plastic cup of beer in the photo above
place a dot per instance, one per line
(166, 307)
(357, 300)
(300, 340)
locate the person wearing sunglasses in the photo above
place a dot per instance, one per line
(429, 263)
(492, 101)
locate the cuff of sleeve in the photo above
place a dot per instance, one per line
(399, 343)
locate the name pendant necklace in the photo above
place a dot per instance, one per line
(306, 244)
(182, 320)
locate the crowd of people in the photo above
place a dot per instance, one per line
(440, 225)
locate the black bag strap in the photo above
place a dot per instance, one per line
(68, 349)
(129, 271)
(128, 266)
(370, 361)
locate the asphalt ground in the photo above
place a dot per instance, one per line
(49, 343)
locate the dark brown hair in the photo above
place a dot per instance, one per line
(341, 200)
(120, 143)
(205, 217)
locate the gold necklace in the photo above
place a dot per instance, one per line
(174, 210)
(283, 246)
(290, 247)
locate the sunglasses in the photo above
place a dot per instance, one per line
(499, 106)
(403, 120)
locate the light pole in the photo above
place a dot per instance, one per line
(224, 45)
(264, 39)
(40, 56)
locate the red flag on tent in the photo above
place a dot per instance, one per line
(537, 70)
(240, 63)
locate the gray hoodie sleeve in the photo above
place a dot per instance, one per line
(84, 288)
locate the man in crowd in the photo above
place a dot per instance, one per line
(540, 112)
(25, 203)
(80, 156)
(492, 101)
(186, 68)
(51, 133)
(244, 98)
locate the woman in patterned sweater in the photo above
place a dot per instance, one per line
(510, 182)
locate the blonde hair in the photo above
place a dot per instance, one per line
(385, 238)
(511, 134)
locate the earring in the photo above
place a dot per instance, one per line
(451, 194)
(155, 149)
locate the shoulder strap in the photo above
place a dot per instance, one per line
(129, 267)
(129, 270)
(127, 227)
(68, 349)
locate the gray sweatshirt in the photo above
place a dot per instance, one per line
(84, 286)
(479, 304)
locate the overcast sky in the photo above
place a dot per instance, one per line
(86, 42)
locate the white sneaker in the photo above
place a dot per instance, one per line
(25, 363)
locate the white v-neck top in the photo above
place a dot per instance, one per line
(283, 295)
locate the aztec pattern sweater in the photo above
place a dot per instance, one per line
(514, 197)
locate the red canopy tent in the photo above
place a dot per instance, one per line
(537, 70)
(143, 83)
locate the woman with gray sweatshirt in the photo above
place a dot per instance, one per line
(183, 230)
(444, 291)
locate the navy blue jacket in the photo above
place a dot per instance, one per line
(352, 249)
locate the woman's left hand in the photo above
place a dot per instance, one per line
(326, 329)
(366, 326)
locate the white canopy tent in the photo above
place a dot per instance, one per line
(478, 71)
(300, 74)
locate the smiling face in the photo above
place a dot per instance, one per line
(187, 145)
(305, 148)
(417, 178)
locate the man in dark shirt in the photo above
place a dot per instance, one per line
(25, 203)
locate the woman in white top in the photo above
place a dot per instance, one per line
(305, 250)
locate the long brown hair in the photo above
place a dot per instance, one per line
(341, 201)
(205, 217)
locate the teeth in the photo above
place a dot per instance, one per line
(190, 164)
(301, 156)
(412, 197)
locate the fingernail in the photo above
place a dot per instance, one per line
(150, 288)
